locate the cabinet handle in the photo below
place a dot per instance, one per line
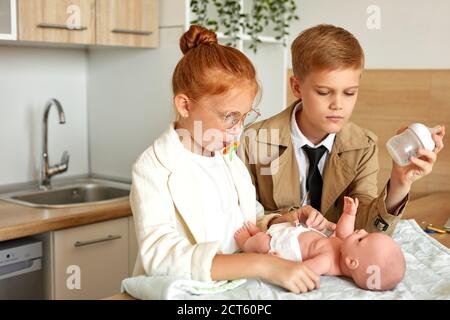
(108, 238)
(59, 26)
(130, 31)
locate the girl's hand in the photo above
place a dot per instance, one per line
(421, 166)
(293, 276)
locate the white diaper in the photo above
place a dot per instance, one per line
(285, 240)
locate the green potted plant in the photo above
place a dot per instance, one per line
(276, 15)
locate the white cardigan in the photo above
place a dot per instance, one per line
(167, 210)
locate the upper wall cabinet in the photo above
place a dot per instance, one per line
(60, 21)
(128, 23)
(8, 23)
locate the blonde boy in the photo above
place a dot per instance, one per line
(320, 156)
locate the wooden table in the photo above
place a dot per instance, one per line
(120, 296)
(433, 209)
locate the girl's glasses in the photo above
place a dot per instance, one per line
(233, 118)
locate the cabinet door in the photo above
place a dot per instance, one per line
(59, 21)
(8, 23)
(90, 261)
(132, 23)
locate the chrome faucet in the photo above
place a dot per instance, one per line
(48, 171)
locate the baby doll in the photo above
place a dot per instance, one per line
(374, 261)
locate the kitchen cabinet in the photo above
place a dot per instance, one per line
(8, 21)
(57, 21)
(132, 23)
(86, 262)
(129, 23)
(132, 246)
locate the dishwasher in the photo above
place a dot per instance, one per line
(21, 275)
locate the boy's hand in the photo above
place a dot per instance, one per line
(350, 206)
(311, 218)
(419, 167)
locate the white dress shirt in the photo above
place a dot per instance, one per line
(298, 141)
(220, 203)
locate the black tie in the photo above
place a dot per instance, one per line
(314, 180)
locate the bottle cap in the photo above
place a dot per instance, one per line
(424, 134)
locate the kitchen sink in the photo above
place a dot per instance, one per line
(73, 194)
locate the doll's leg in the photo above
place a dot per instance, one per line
(258, 243)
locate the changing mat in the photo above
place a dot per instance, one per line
(427, 277)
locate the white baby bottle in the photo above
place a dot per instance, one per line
(404, 145)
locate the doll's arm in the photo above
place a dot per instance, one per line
(346, 223)
(320, 264)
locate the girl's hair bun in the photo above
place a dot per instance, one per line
(195, 36)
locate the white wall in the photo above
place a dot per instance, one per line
(269, 63)
(414, 34)
(28, 78)
(130, 102)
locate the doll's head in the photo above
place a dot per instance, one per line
(374, 261)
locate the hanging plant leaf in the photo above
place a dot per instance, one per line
(233, 22)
